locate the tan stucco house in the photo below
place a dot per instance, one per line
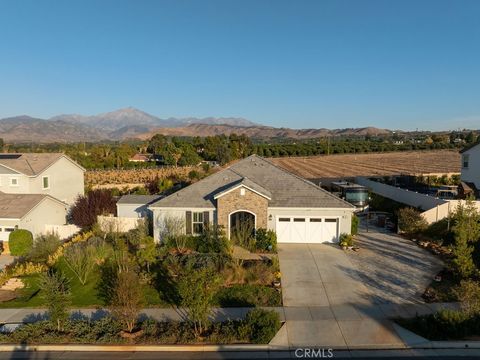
(30, 212)
(256, 191)
(36, 191)
(53, 174)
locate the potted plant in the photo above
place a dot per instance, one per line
(346, 241)
(276, 281)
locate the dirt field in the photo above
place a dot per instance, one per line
(376, 164)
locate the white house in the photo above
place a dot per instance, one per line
(53, 174)
(471, 167)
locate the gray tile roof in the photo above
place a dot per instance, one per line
(286, 189)
(16, 206)
(30, 164)
(139, 199)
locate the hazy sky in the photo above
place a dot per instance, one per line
(396, 64)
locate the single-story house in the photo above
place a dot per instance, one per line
(136, 206)
(31, 212)
(258, 192)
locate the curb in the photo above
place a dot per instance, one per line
(437, 345)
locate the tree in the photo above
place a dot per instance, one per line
(127, 299)
(470, 138)
(147, 251)
(410, 221)
(2, 144)
(466, 231)
(197, 288)
(86, 208)
(55, 291)
(20, 242)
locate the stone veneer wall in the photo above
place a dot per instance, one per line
(233, 201)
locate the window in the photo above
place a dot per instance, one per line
(465, 158)
(298, 220)
(331, 220)
(13, 181)
(315, 220)
(45, 182)
(197, 222)
(242, 191)
(9, 229)
(284, 219)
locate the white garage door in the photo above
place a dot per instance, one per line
(296, 229)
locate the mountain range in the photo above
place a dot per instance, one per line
(131, 123)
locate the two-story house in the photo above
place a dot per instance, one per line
(51, 174)
(36, 191)
(471, 167)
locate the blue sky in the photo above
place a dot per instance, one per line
(389, 63)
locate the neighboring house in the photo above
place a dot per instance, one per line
(31, 212)
(471, 167)
(51, 174)
(141, 158)
(136, 206)
(256, 191)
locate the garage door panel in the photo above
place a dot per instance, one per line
(306, 230)
(330, 230)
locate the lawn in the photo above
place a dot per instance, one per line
(81, 295)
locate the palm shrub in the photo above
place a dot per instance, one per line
(56, 293)
(20, 242)
(80, 258)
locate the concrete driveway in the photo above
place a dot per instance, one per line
(395, 270)
(326, 303)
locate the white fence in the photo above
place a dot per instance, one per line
(63, 231)
(411, 198)
(444, 210)
(117, 224)
(435, 209)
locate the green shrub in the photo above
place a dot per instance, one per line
(410, 221)
(43, 247)
(266, 240)
(444, 325)
(213, 240)
(20, 242)
(346, 240)
(262, 325)
(248, 295)
(355, 222)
